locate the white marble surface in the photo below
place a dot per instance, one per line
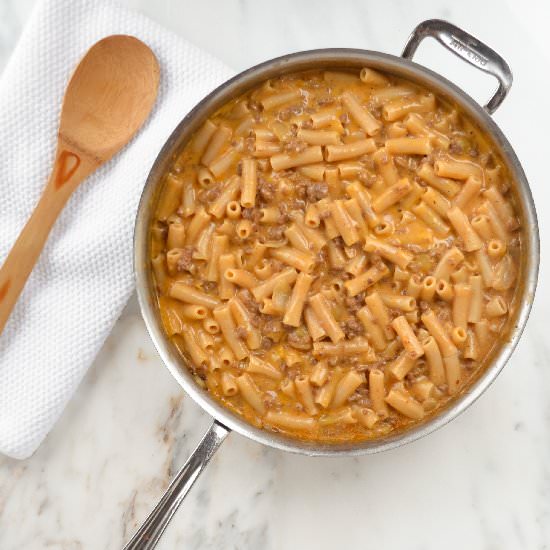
(482, 482)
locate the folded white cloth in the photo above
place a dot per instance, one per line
(84, 276)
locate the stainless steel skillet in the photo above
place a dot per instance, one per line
(460, 43)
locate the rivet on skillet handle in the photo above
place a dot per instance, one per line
(467, 47)
(148, 535)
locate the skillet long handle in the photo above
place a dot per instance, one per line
(470, 49)
(148, 535)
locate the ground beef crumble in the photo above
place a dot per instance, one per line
(316, 191)
(266, 189)
(267, 343)
(352, 327)
(209, 195)
(300, 187)
(284, 217)
(355, 303)
(245, 296)
(276, 232)
(241, 332)
(455, 147)
(273, 327)
(185, 262)
(252, 214)
(299, 339)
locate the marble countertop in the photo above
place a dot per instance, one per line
(482, 482)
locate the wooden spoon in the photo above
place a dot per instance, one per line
(109, 96)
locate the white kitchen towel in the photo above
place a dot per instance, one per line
(84, 276)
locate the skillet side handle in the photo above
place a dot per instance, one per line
(467, 47)
(148, 535)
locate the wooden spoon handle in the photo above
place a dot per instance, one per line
(70, 168)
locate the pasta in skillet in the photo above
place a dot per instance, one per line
(335, 254)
